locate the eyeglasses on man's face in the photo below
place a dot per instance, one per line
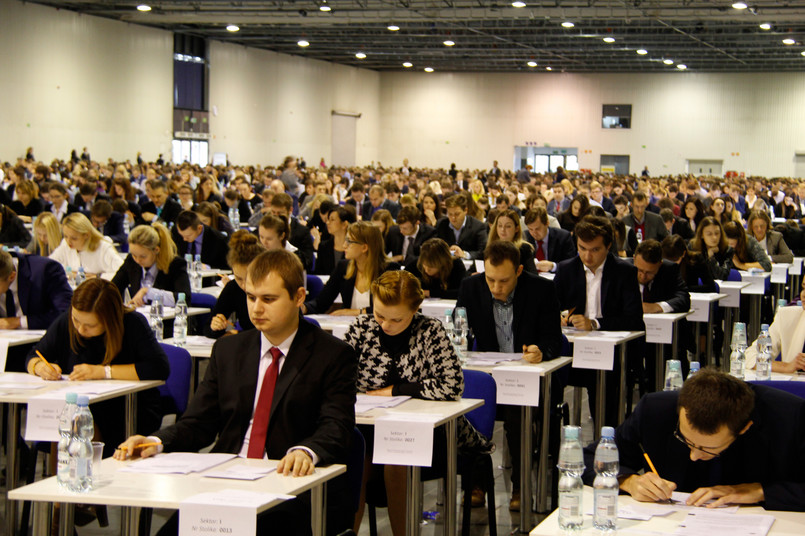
(710, 451)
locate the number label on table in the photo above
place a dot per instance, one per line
(596, 353)
(659, 329)
(517, 385)
(404, 439)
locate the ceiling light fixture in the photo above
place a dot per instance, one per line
(548, 69)
(144, 8)
(392, 27)
(739, 5)
(518, 3)
(567, 24)
(765, 26)
(325, 8)
(668, 62)
(449, 43)
(609, 40)
(408, 64)
(642, 51)
(532, 64)
(803, 52)
(428, 69)
(681, 66)
(788, 41)
(233, 28)
(302, 43)
(360, 55)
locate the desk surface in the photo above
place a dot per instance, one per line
(11, 396)
(18, 337)
(707, 296)
(546, 367)
(170, 312)
(196, 346)
(168, 491)
(617, 337)
(443, 410)
(787, 523)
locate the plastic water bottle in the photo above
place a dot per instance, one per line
(65, 435)
(673, 378)
(234, 218)
(195, 283)
(694, 368)
(782, 302)
(80, 448)
(180, 322)
(68, 273)
(738, 355)
(155, 318)
(126, 224)
(448, 320)
(571, 465)
(639, 236)
(763, 366)
(80, 277)
(605, 485)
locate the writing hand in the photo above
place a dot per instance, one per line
(128, 449)
(648, 487)
(580, 322)
(45, 372)
(736, 494)
(218, 323)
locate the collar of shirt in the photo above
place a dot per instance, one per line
(458, 231)
(509, 299)
(59, 212)
(598, 271)
(149, 276)
(265, 346)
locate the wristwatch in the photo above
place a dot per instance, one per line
(108, 372)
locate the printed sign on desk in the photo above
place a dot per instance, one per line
(597, 353)
(517, 385)
(796, 266)
(404, 439)
(733, 293)
(229, 511)
(42, 422)
(659, 328)
(779, 273)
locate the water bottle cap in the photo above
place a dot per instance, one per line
(181, 296)
(188, 257)
(68, 269)
(608, 432)
(82, 400)
(81, 269)
(70, 398)
(675, 364)
(694, 365)
(782, 302)
(764, 327)
(448, 312)
(571, 433)
(198, 257)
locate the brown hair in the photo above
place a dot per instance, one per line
(650, 250)
(499, 251)
(456, 201)
(713, 399)
(284, 263)
(210, 210)
(758, 215)
(518, 228)
(384, 216)
(102, 298)
(591, 227)
(408, 214)
(435, 252)
(243, 248)
(364, 232)
(397, 287)
(697, 244)
(736, 232)
(282, 200)
(535, 214)
(278, 225)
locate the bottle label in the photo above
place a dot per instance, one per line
(569, 504)
(606, 503)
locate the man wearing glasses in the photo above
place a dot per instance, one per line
(719, 439)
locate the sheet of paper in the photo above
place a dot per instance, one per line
(779, 273)
(659, 328)
(241, 472)
(492, 357)
(679, 500)
(198, 340)
(404, 439)
(700, 308)
(228, 511)
(479, 266)
(596, 353)
(639, 512)
(796, 266)
(365, 403)
(42, 422)
(517, 385)
(181, 463)
(718, 523)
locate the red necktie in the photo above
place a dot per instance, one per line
(540, 252)
(257, 440)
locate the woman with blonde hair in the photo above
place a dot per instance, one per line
(507, 227)
(364, 260)
(83, 246)
(382, 220)
(47, 235)
(152, 268)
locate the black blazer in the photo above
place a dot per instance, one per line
(621, 303)
(771, 451)
(395, 241)
(231, 300)
(697, 275)
(560, 245)
(13, 232)
(434, 288)
(71, 208)
(170, 210)
(303, 242)
(113, 228)
(82, 205)
(214, 247)
(682, 228)
(43, 290)
(32, 209)
(325, 257)
(339, 284)
(365, 212)
(536, 314)
(668, 286)
(130, 275)
(472, 238)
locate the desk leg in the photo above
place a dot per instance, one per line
(129, 516)
(131, 414)
(576, 420)
(193, 376)
(725, 353)
(659, 368)
(413, 501)
(600, 403)
(318, 509)
(543, 474)
(12, 465)
(709, 358)
(66, 519)
(42, 518)
(526, 463)
(754, 317)
(450, 507)
(622, 397)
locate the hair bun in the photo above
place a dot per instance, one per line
(242, 238)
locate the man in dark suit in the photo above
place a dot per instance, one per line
(194, 238)
(300, 237)
(512, 311)
(377, 198)
(285, 390)
(551, 246)
(87, 196)
(597, 195)
(560, 201)
(358, 200)
(643, 221)
(405, 239)
(718, 438)
(59, 204)
(676, 225)
(601, 293)
(465, 235)
(160, 206)
(107, 221)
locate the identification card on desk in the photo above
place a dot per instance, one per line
(404, 439)
(659, 329)
(597, 353)
(517, 385)
(228, 511)
(42, 423)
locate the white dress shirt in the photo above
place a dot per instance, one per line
(594, 279)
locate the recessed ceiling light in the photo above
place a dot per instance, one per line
(325, 8)
(143, 7)
(668, 62)
(449, 43)
(788, 41)
(739, 5)
(392, 27)
(548, 69)
(681, 66)
(803, 52)
(360, 55)
(302, 43)
(642, 51)
(407, 64)
(765, 26)
(233, 28)
(518, 3)
(532, 64)
(609, 40)
(567, 24)
(428, 69)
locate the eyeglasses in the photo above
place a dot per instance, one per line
(704, 450)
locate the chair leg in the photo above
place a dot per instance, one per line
(372, 520)
(146, 515)
(466, 488)
(490, 497)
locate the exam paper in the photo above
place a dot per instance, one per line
(241, 472)
(365, 403)
(180, 463)
(491, 358)
(717, 523)
(679, 500)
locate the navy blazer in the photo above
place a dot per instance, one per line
(113, 228)
(214, 247)
(560, 245)
(130, 275)
(43, 290)
(394, 240)
(471, 239)
(668, 286)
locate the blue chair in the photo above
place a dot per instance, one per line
(313, 321)
(175, 392)
(795, 388)
(734, 275)
(199, 299)
(314, 286)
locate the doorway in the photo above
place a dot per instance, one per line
(706, 167)
(615, 163)
(546, 159)
(345, 126)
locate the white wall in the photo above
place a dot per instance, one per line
(70, 81)
(753, 122)
(271, 105)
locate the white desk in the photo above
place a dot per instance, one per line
(546, 369)
(170, 312)
(17, 399)
(335, 324)
(655, 329)
(18, 337)
(168, 491)
(786, 524)
(755, 291)
(702, 305)
(436, 307)
(733, 291)
(212, 290)
(447, 413)
(214, 272)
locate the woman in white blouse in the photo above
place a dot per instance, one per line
(84, 247)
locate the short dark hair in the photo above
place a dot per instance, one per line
(456, 201)
(283, 263)
(408, 214)
(673, 247)
(499, 251)
(282, 200)
(667, 215)
(712, 399)
(187, 218)
(591, 227)
(639, 195)
(102, 209)
(59, 187)
(650, 250)
(345, 213)
(535, 214)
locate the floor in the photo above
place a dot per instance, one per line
(507, 522)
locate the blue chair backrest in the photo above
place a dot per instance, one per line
(481, 385)
(795, 388)
(355, 467)
(735, 275)
(313, 321)
(314, 286)
(177, 386)
(199, 299)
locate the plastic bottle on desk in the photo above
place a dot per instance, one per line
(80, 448)
(639, 236)
(234, 218)
(65, 435)
(673, 378)
(605, 486)
(155, 319)
(448, 321)
(68, 273)
(738, 354)
(763, 366)
(80, 277)
(694, 368)
(571, 465)
(180, 322)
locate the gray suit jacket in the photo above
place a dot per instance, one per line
(655, 227)
(777, 249)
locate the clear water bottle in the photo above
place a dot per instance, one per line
(782, 302)
(68, 273)
(605, 485)
(180, 322)
(195, 281)
(234, 218)
(738, 354)
(80, 448)
(80, 277)
(571, 465)
(694, 368)
(155, 318)
(65, 435)
(763, 366)
(126, 224)
(448, 320)
(673, 376)
(639, 236)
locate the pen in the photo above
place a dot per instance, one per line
(45, 361)
(650, 464)
(141, 446)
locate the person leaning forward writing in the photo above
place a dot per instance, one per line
(285, 390)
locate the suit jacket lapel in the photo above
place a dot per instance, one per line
(250, 368)
(22, 283)
(298, 355)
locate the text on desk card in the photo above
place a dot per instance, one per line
(597, 353)
(779, 273)
(517, 386)
(659, 329)
(228, 511)
(701, 310)
(42, 421)
(404, 439)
